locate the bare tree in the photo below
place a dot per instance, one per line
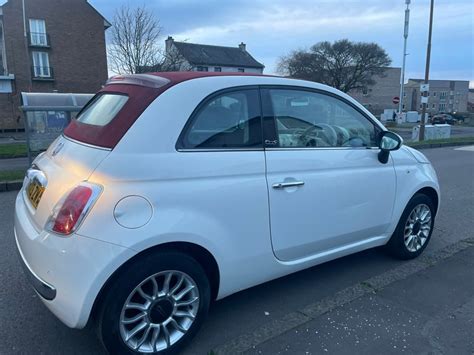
(343, 64)
(169, 60)
(134, 40)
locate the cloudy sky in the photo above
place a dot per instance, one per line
(272, 28)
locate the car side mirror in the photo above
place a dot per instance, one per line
(388, 141)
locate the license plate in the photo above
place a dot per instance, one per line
(34, 192)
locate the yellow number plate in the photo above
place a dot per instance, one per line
(34, 192)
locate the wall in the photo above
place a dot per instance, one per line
(233, 69)
(380, 95)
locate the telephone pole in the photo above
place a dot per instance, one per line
(427, 75)
(405, 36)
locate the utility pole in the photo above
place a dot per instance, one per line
(427, 74)
(405, 36)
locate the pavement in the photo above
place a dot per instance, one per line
(428, 312)
(381, 301)
(13, 164)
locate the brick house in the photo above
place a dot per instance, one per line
(48, 46)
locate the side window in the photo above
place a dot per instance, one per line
(228, 120)
(309, 119)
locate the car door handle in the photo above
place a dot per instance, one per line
(282, 185)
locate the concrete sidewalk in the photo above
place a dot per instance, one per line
(431, 311)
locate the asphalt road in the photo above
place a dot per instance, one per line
(28, 327)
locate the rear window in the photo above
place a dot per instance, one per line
(102, 109)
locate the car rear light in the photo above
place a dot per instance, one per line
(71, 210)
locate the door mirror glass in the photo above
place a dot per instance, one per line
(390, 141)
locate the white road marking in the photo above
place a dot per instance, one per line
(469, 148)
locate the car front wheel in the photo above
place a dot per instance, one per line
(155, 306)
(414, 229)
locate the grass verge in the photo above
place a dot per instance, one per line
(446, 141)
(13, 150)
(12, 175)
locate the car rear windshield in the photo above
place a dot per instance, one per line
(102, 109)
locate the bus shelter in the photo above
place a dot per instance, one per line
(46, 115)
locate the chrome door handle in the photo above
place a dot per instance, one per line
(282, 185)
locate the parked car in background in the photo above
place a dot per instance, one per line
(172, 190)
(458, 116)
(444, 118)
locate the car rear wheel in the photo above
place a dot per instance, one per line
(156, 305)
(414, 229)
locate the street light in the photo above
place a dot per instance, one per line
(405, 36)
(427, 75)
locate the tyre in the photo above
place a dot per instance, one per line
(414, 229)
(155, 306)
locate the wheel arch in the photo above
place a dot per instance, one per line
(432, 194)
(201, 254)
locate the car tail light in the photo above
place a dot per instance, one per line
(71, 210)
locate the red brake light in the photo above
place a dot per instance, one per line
(70, 211)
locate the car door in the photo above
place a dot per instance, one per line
(327, 188)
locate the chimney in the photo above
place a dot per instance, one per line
(242, 46)
(169, 41)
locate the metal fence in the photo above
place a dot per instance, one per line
(46, 116)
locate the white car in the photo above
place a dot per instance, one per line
(172, 190)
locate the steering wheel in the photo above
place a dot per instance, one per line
(332, 134)
(308, 131)
(348, 142)
(329, 135)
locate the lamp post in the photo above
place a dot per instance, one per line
(427, 74)
(405, 36)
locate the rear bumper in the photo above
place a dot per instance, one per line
(67, 272)
(45, 290)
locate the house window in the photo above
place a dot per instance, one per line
(200, 68)
(434, 93)
(241, 70)
(38, 35)
(403, 106)
(218, 69)
(404, 94)
(442, 107)
(443, 95)
(433, 106)
(41, 68)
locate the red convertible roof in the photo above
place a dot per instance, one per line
(180, 76)
(141, 90)
(171, 78)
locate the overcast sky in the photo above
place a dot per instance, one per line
(272, 28)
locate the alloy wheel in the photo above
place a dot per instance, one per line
(417, 228)
(159, 311)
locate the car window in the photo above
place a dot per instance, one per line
(102, 109)
(228, 120)
(310, 119)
